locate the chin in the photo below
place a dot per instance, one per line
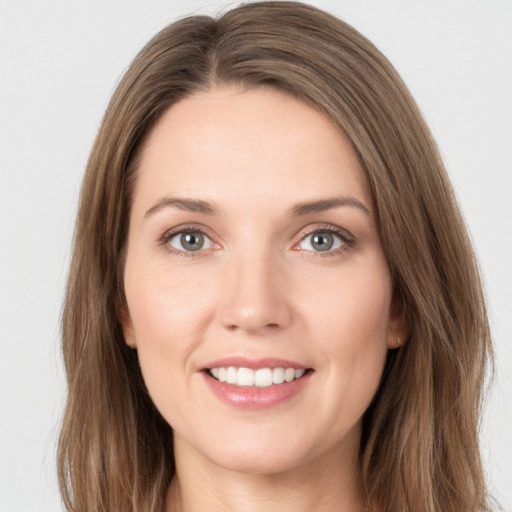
(267, 451)
(259, 461)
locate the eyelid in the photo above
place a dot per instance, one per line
(348, 239)
(183, 229)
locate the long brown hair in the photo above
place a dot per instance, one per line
(419, 451)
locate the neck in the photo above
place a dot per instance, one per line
(327, 484)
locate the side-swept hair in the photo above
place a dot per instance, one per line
(420, 450)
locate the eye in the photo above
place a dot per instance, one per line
(190, 241)
(322, 241)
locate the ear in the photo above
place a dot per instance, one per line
(127, 325)
(399, 330)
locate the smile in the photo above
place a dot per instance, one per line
(261, 378)
(255, 383)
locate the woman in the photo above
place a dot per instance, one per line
(273, 301)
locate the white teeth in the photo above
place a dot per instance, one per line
(278, 375)
(289, 374)
(245, 377)
(299, 373)
(231, 375)
(262, 378)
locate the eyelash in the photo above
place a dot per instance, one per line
(347, 239)
(182, 230)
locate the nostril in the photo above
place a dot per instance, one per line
(254, 313)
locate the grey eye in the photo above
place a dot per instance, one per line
(190, 242)
(321, 241)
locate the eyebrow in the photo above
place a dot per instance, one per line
(323, 205)
(299, 210)
(189, 205)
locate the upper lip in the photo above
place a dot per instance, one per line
(253, 363)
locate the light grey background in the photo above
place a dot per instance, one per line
(59, 64)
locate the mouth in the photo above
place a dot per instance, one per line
(256, 378)
(256, 383)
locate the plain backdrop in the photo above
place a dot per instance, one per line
(59, 64)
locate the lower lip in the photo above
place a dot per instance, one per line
(254, 398)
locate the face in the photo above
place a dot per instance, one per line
(258, 295)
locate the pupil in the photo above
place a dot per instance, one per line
(192, 241)
(323, 241)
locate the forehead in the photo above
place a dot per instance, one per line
(260, 144)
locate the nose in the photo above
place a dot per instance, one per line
(255, 296)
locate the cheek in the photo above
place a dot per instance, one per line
(352, 329)
(353, 307)
(165, 307)
(168, 316)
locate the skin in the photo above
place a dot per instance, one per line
(258, 288)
